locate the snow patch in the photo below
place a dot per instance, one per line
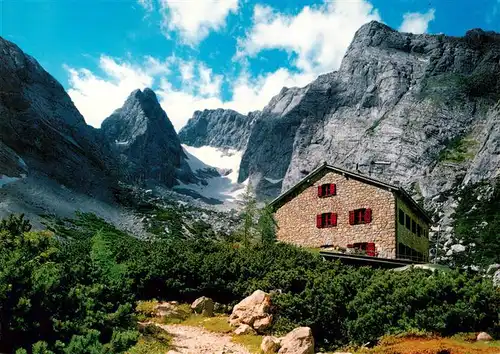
(22, 163)
(208, 156)
(273, 181)
(121, 142)
(223, 188)
(6, 179)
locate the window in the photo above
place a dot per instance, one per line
(405, 252)
(413, 226)
(408, 222)
(401, 217)
(327, 190)
(360, 216)
(419, 230)
(364, 248)
(326, 220)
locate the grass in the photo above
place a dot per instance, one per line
(249, 341)
(218, 324)
(459, 150)
(153, 340)
(145, 312)
(431, 345)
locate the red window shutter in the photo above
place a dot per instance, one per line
(368, 216)
(319, 224)
(334, 219)
(320, 194)
(351, 217)
(332, 189)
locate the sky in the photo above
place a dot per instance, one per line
(207, 54)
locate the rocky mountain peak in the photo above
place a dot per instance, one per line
(422, 104)
(144, 137)
(40, 124)
(222, 128)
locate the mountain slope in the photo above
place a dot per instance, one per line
(222, 128)
(146, 142)
(40, 124)
(420, 103)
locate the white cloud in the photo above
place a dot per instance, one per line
(248, 94)
(96, 97)
(415, 22)
(146, 4)
(319, 36)
(195, 19)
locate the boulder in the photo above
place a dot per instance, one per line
(298, 341)
(261, 324)
(484, 337)
(169, 309)
(203, 305)
(270, 345)
(253, 311)
(244, 329)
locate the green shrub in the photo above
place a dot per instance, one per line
(80, 291)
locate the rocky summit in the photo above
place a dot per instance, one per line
(145, 141)
(397, 97)
(421, 110)
(222, 128)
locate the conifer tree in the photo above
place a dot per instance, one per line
(267, 225)
(249, 214)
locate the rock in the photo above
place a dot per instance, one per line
(496, 278)
(270, 345)
(263, 323)
(484, 337)
(223, 128)
(203, 305)
(244, 329)
(253, 311)
(298, 341)
(145, 140)
(387, 96)
(169, 310)
(42, 133)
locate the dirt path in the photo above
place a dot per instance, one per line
(196, 340)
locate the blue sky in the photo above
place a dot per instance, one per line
(200, 54)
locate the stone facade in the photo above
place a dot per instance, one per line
(296, 218)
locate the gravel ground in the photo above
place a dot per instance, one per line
(195, 340)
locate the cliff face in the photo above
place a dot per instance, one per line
(145, 141)
(42, 132)
(425, 105)
(222, 128)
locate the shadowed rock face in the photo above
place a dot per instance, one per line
(40, 125)
(145, 141)
(425, 104)
(222, 128)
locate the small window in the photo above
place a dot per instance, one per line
(327, 190)
(408, 222)
(360, 216)
(401, 217)
(326, 220)
(419, 230)
(413, 226)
